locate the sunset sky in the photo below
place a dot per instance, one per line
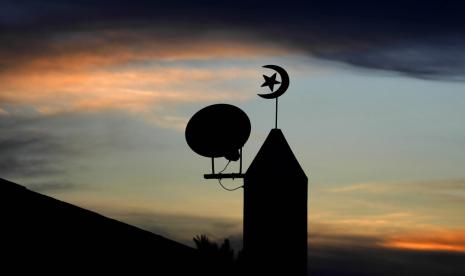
(94, 99)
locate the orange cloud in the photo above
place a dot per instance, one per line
(425, 239)
(433, 240)
(94, 58)
(134, 90)
(93, 72)
(95, 49)
(3, 112)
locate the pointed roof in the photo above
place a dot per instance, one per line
(275, 158)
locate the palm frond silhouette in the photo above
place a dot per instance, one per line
(219, 260)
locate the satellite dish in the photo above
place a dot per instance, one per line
(218, 130)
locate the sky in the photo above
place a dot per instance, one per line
(94, 99)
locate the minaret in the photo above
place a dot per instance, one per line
(275, 186)
(275, 211)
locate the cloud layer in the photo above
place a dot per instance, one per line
(416, 38)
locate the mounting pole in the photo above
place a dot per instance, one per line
(240, 162)
(213, 165)
(276, 115)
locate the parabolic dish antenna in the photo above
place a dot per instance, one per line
(218, 130)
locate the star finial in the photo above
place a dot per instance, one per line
(270, 81)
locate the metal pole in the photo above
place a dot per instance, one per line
(276, 115)
(240, 162)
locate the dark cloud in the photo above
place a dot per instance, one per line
(28, 152)
(345, 261)
(424, 58)
(44, 153)
(336, 253)
(47, 186)
(417, 38)
(181, 227)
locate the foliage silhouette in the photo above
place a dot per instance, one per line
(217, 260)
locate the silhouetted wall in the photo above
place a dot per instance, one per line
(275, 211)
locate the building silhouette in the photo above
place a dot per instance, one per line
(40, 234)
(275, 211)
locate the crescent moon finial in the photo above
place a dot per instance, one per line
(271, 81)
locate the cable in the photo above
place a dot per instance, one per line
(229, 189)
(221, 184)
(225, 167)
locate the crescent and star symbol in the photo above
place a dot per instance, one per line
(271, 81)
